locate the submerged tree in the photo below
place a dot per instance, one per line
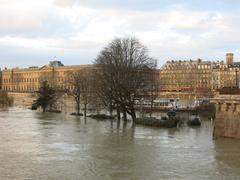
(124, 64)
(81, 88)
(151, 92)
(46, 97)
(86, 88)
(74, 89)
(103, 92)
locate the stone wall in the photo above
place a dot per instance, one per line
(66, 104)
(227, 122)
(22, 99)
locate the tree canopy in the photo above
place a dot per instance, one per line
(124, 68)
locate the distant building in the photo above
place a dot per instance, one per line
(186, 76)
(226, 75)
(199, 77)
(175, 77)
(29, 79)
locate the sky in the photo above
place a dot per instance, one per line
(33, 32)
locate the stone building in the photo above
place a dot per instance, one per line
(29, 79)
(186, 76)
(195, 78)
(199, 78)
(22, 83)
(219, 75)
(226, 74)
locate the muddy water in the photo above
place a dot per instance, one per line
(57, 146)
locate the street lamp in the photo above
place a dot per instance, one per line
(236, 71)
(236, 78)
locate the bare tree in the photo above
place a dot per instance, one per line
(103, 91)
(151, 92)
(124, 64)
(81, 88)
(86, 86)
(74, 88)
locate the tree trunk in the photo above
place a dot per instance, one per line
(78, 108)
(124, 116)
(111, 122)
(151, 108)
(133, 115)
(111, 111)
(118, 117)
(85, 110)
(124, 124)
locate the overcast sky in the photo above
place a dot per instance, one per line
(32, 32)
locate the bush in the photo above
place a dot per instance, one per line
(54, 111)
(151, 121)
(101, 116)
(76, 114)
(194, 122)
(164, 118)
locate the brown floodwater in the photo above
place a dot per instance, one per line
(58, 146)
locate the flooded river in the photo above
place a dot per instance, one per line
(57, 146)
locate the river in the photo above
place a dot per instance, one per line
(58, 146)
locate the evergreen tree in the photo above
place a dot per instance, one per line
(46, 97)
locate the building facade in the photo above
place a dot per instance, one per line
(186, 76)
(199, 77)
(226, 76)
(175, 77)
(29, 79)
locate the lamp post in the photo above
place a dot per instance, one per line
(236, 71)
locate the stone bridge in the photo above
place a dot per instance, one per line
(227, 121)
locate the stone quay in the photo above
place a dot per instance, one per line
(227, 119)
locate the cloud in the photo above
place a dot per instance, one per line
(171, 30)
(19, 19)
(64, 3)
